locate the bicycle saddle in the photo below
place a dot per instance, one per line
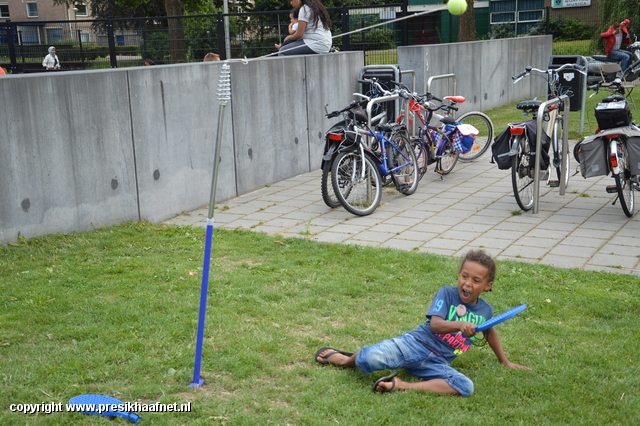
(457, 99)
(612, 98)
(448, 120)
(361, 117)
(385, 127)
(529, 105)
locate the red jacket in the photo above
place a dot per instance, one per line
(611, 39)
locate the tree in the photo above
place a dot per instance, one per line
(467, 24)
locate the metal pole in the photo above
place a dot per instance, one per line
(565, 142)
(224, 95)
(536, 169)
(227, 42)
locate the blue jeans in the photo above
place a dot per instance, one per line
(408, 353)
(621, 55)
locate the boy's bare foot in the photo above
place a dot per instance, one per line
(333, 357)
(277, 46)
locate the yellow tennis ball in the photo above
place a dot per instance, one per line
(457, 7)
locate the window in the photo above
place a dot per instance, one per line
(54, 35)
(32, 10)
(28, 34)
(529, 16)
(525, 14)
(80, 9)
(4, 11)
(498, 18)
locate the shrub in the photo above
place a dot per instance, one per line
(565, 29)
(502, 31)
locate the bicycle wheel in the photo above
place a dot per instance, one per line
(358, 194)
(485, 135)
(623, 182)
(402, 160)
(448, 156)
(328, 195)
(421, 156)
(558, 141)
(522, 172)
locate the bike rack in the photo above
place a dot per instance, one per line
(565, 148)
(443, 77)
(413, 87)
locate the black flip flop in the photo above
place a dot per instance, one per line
(326, 357)
(389, 378)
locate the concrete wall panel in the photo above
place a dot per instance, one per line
(63, 164)
(175, 119)
(270, 121)
(330, 83)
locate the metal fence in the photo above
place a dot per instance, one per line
(107, 43)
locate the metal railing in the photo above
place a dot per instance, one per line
(565, 150)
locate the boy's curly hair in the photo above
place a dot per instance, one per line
(483, 258)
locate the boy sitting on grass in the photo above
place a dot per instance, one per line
(427, 351)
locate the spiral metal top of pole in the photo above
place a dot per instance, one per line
(224, 85)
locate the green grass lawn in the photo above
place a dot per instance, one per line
(114, 311)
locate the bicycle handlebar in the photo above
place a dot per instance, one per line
(528, 70)
(352, 105)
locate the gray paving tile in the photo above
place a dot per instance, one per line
(563, 249)
(414, 235)
(440, 251)
(563, 261)
(515, 250)
(373, 236)
(625, 240)
(546, 243)
(330, 237)
(445, 244)
(614, 261)
(400, 244)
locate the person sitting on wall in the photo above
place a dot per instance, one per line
(51, 61)
(615, 37)
(314, 30)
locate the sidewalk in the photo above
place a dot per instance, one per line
(470, 208)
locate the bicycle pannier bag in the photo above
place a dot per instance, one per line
(593, 157)
(633, 151)
(613, 114)
(500, 148)
(464, 137)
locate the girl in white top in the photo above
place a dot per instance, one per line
(314, 30)
(51, 61)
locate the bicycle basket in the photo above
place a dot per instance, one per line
(464, 137)
(613, 114)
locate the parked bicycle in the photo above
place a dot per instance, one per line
(515, 147)
(337, 139)
(357, 168)
(424, 107)
(434, 144)
(615, 148)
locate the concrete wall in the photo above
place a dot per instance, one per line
(85, 149)
(483, 69)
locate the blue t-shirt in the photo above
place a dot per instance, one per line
(444, 305)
